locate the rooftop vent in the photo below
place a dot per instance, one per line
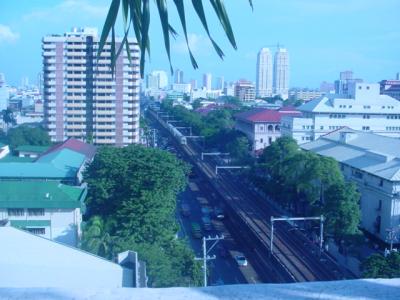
(347, 136)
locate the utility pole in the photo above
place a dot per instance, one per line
(206, 257)
(391, 237)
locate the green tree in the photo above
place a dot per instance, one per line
(26, 135)
(134, 189)
(378, 266)
(342, 210)
(8, 118)
(97, 239)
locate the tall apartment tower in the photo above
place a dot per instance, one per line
(281, 73)
(264, 78)
(178, 76)
(207, 80)
(82, 98)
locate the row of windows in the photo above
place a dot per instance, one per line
(337, 116)
(365, 128)
(393, 128)
(345, 106)
(393, 117)
(306, 138)
(36, 230)
(334, 127)
(18, 212)
(308, 127)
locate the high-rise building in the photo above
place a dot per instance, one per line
(281, 73)
(178, 76)
(207, 80)
(4, 93)
(193, 83)
(82, 97)
(245, 90)
(220, 83)
(162, 78)
(264, 80)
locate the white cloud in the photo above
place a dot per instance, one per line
(7, 35)
(69, 8)
(199, 44)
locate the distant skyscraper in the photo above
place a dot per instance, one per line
(264, 77)
(207, 80)
(193, 83)
(245, 90)
(82, 98)
(281, 73)
(178, 76)
(24, 82)
(2, 79)
(151, 81)
(4, 93)
(220, 83)
(162, 78)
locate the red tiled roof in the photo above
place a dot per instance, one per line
(267, 115)
(75, 145)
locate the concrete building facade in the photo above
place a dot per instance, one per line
(373, 163)
(82, 98)
(245, 90)
(264, 79)
(362, 108)
(281, 73)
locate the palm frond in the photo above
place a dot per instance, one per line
(136, 13)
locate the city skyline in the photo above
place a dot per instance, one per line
(366, 43)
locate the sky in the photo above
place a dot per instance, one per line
(323, 37)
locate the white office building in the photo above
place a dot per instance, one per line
(264, 79)
(281, 73)
(82, 98)
(207, 81)
(373, 162)
(363, 108)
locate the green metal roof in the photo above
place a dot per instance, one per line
(34, 149)
(12, 158)
(2, 145)
(30, 223)
(60, 164)
(40, 194)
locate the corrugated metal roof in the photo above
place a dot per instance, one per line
(267, 115)
(61, 164)
(35, 149)
(39, 194)
(371, 153)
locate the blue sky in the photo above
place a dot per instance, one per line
(323, 37)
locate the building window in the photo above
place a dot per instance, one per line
(270, 128)
(16, 212)
(365, 128)
(381, 182)
(36, 211)
(269, 140)
(321, 127)
(36, 230)
(357, 174)
(261, 140)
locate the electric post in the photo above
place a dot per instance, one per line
(206, 257)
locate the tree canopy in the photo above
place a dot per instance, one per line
(378, 266)
(307, 183)
(131, 205)
(26, 135)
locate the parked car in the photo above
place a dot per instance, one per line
(205, 211)
(241, 260)
(206, 223)
(219, 213)
(196, 231)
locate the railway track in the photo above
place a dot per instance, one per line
(292, 260)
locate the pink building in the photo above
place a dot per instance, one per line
(82, 98)
(263, 126)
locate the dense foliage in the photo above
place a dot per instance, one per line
(26, 135)
(306, 183)
(217, 127)
(378, 266)
(131, 205)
